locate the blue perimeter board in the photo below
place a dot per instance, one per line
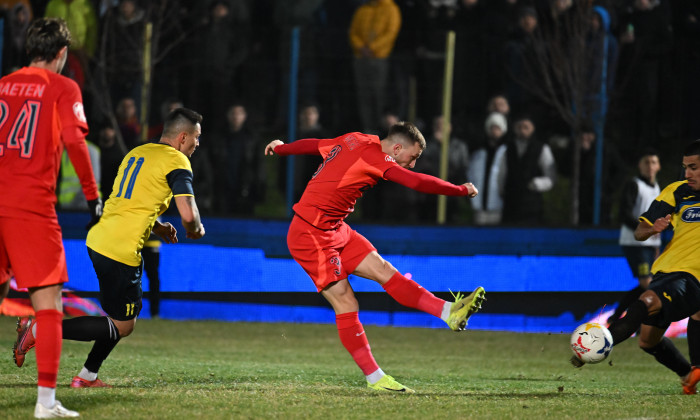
(247, 256)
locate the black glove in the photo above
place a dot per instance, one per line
(95, 207)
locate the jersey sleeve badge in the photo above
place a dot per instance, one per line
(79, 112)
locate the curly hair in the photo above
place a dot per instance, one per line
(46, 37)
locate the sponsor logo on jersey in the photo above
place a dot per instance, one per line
(79, 111)
(691, 215)
(389, 159)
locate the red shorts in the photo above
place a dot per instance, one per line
(33, 251)
(326, 255)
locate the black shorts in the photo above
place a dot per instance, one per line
(680, 297)
(640, 259)
(120, 286)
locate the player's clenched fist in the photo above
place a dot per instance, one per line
(662, 223)
(472, 189)
(196, 234)
(270, 148)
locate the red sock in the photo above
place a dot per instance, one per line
(354, 339)
(48, 345)
(409, 293)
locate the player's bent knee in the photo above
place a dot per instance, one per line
(125, 328)
(125, 332)
(376, 268)
(384, 269)
(388, 268)
(651, 300)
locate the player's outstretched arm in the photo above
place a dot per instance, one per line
(166, 231)
(427, 183)
(298, 147)
(645, 230)
(189, 213)
(270, 148)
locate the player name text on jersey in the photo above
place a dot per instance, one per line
(30, 90)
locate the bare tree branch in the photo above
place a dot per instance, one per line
(555, 71)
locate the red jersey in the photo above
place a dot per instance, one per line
(352, 163)
(40, 113)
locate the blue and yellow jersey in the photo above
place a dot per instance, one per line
(148, 178)
(683, 203)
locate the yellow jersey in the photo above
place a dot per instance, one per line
(148, 178)
(681, 253)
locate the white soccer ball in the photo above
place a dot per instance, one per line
(591, 342)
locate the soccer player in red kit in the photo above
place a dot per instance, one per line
(329, 250)
(41, 112)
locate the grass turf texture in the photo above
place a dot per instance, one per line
(215, 370)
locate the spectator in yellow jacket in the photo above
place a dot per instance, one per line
(373, 31)
(82, 22)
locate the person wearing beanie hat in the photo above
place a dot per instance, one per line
(497, 119)
(483, 169)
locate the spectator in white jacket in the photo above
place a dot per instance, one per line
(484, 165)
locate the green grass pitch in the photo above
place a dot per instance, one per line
(216, 370)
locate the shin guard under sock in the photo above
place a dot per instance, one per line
(354, 339)
(88, 328)
(694, 341)
(48, 346)
(409, 293)
(623, 328)
(101, 349)
(668, 355)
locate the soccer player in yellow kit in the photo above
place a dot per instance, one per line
(674, 291)
(148, 178)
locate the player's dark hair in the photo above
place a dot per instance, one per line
(46, 37)
(407, 131)
(692, 149)
(179, 120)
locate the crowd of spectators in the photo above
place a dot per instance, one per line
(363, 63)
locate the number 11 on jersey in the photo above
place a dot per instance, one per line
(132, 179)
